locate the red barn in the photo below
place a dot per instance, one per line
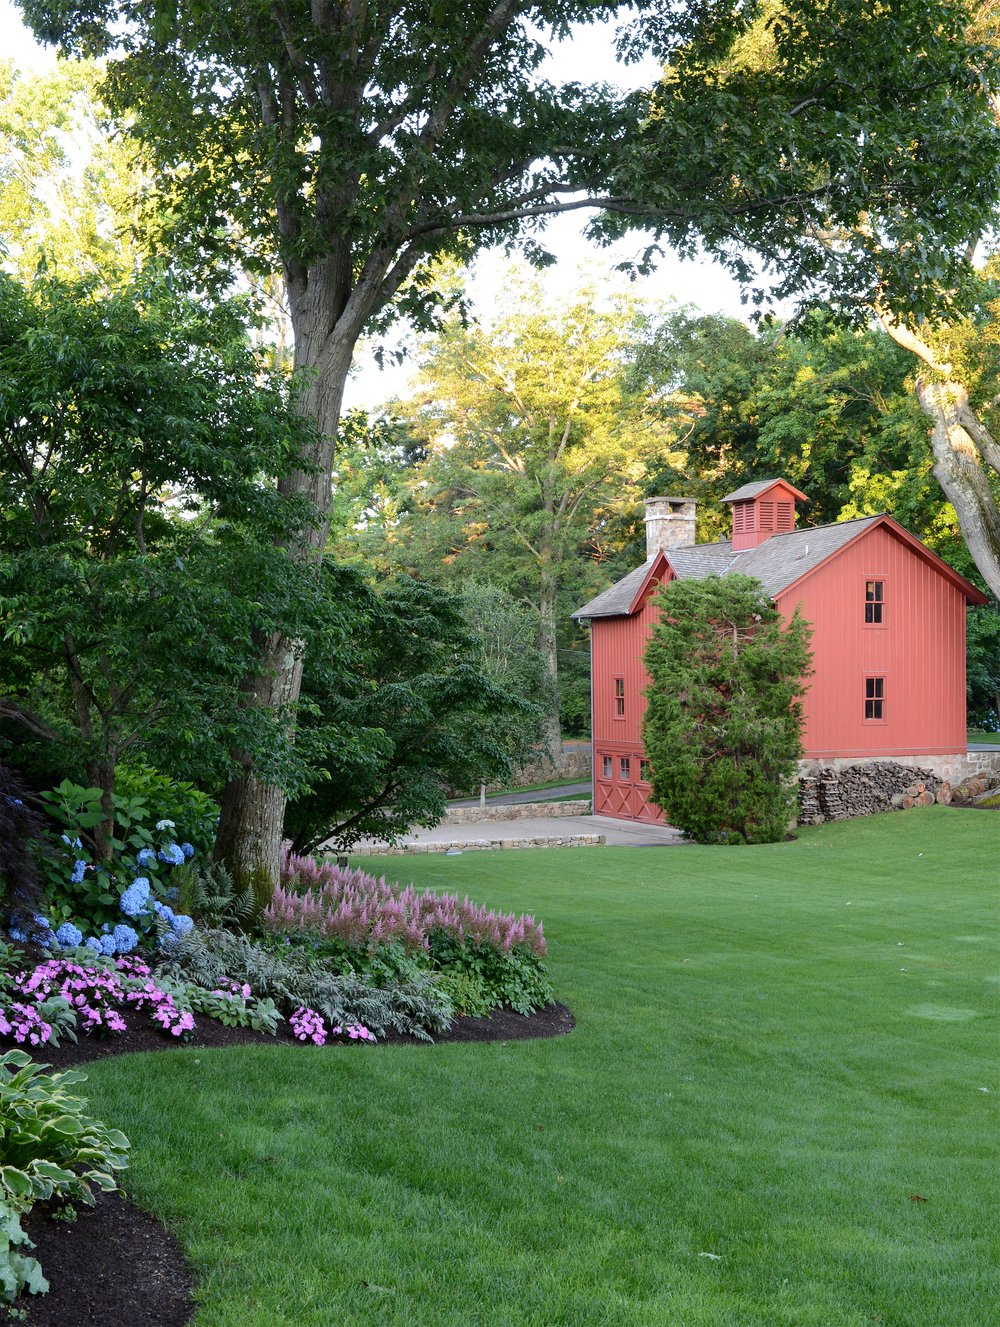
(888, 622)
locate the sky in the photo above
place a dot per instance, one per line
(588, 55)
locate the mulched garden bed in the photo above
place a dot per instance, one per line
(117, 1266)
(503, 1025)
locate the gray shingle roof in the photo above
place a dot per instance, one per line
(749, 490)
(776, 563)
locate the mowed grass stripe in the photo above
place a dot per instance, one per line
(734, 1136)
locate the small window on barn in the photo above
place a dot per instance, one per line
(609, 767)
(619, 698)
(874, 697)
(643, 771)
(624, 769)
(874, 602)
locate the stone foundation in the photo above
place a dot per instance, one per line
(464, 815)
(948, 769)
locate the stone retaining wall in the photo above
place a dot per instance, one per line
(488, 845)
(464, 815)
(574, 763)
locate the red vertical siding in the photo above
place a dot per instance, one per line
(617, 647)
(919, 649)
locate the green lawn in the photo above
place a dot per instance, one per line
(777, 1047)
(980, 737)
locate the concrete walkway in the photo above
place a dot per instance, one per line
(540, 833)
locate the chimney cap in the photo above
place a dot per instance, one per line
(669, 499)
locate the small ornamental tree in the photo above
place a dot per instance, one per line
(722, 728)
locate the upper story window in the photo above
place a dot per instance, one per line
(619, 698)
(874, 697)
(874, 603)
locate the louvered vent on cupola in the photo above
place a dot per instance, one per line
(761, 510)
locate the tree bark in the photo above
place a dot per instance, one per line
(959, 470)
(251, 822)
(964, 452)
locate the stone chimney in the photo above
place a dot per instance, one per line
(669, 524)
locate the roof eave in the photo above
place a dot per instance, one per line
(972, 594)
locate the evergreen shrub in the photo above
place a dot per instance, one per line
(722, 728)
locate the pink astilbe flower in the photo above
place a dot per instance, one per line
(362, 912)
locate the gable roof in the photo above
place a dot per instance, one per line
(778, 563)
(759, 486)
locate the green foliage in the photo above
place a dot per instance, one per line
(413, 1006)
(797, 133)
(514, 978)
(231, 1008)
(69, 188)
(983, 665)
(722, 727)
(532, 448)
(209, 894)
(192, 811)
(827, 406)
(82, 886)
(137, 553)
(18, 1270)
(400, 714)
(51, 1149)
(466, 991)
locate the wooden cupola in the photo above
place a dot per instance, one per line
(762, 509)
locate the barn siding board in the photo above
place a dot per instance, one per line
(920, 651)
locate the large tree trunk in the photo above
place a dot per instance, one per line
(251, 823)
(964, 452)
(959, 441)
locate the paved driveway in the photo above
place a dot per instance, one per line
(621, 833)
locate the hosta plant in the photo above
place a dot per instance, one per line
(19, 1271)
(50, 1146)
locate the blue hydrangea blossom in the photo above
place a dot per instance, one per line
(135, 898)
(125, 939)
(69, 936)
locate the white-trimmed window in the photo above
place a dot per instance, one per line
(874, 699)
(874, 603)
(619, 698)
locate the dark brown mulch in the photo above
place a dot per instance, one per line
(502, 1025)
(114, 1266)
